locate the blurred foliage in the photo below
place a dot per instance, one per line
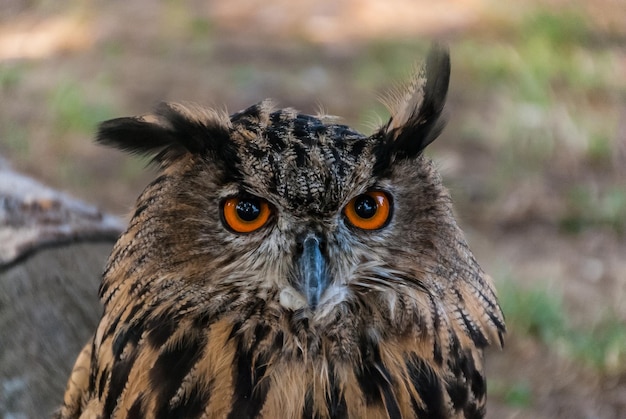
(10, 76)
(563, 29)
(516, 394)
(539, 312)
(74, 111)
(604, 346)
(15, 140)
(590, 206)
(535, 312)
(519, 395)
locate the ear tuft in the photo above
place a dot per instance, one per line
(172, 130)
(416, 115)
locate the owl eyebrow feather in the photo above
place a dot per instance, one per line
(172, 130)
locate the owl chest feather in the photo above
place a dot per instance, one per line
(271, 363)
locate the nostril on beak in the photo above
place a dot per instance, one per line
(310, 240)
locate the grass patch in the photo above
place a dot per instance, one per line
(10, 76)
(591, 206)
(559, 29)
(535, 312)
(516, 394)
(604, 346)
(73, 112)
(539, 313)
(15, 140)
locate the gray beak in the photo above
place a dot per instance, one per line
(312, 270)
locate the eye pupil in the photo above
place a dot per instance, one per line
(365, 206)
(249, 209)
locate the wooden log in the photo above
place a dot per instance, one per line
(52, 252)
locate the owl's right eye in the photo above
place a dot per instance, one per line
(245, 214)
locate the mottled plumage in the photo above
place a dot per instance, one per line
(307, 315)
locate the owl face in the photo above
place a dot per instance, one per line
(276, 247)
(318, 214)
(306, 192)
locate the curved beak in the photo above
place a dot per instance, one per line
(312, 270)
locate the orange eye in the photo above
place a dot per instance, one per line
(245, 215)
(369, 211)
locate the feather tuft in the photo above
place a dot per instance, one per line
(171, 131)
(416, 114)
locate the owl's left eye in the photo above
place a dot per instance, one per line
(245, 214)
(369, 211)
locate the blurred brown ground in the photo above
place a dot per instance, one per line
(120, 58)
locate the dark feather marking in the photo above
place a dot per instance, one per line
(335, 400)
(235, 330)
(303, 128)
(479, 339)
(136, 410)
(141, 208)
(127, 335)
(192, 406)
(104, 287)
(499, 325)
(276, 133)
(437, 354)
(160, 329)
(475, 334)
(301, 155)
(382, 155)
(468, 377)
(260, 332)
(102, 382)
(130, 318)
(479, 388)
(427, 386)
(455, 351)
(249, 392)
(368, 376)
(113, 327)
(459, 394)
(472, 411)
(375, 380)
(279, 340)
(172, 365)
(391, 403)
(119, 376)
(307, 412)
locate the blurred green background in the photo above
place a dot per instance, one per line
(534, 152)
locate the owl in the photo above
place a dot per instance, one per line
(282, 265)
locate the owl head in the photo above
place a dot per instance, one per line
(311, 239)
